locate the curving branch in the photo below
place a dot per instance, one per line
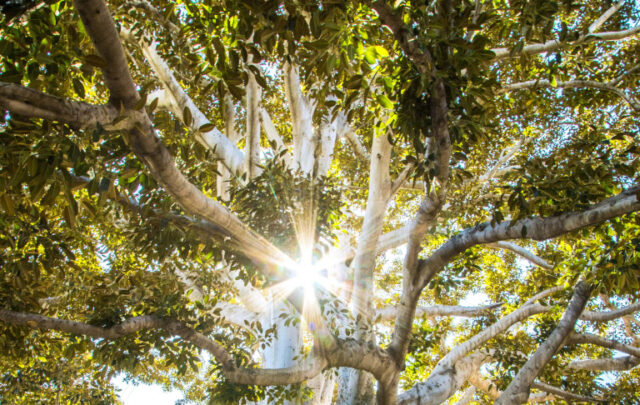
(588, 338)
(443, 383)
(203, 228)
(554, 45)
(573, 84)
(560, 393)
(615, 364)
(388, 313)
(522, 252)
(489, 333)
(309, 368)
(543, 294)
(605, 316)
(604, 17)
(128, 327)
(144, 142)
(439, 144)
(79, 115)
(458, 366)
(519, 389)
(538, 228)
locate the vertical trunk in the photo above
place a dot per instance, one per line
(252, 137)
(287, 343)
(356, 387)
(304, 145)
(282, 350)
(222, 183)
(327, 141)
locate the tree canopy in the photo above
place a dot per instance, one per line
(292, 201)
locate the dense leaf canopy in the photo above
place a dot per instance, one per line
(418, 155)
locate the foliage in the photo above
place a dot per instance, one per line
(87, 233)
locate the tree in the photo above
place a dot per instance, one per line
(288, 201)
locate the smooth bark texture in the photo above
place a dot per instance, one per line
(553, 45)
(574, 84)
(518, 391)
(150, 150)
(388, 313)
(358, 387)
(615, 364)
(533, 228)
(302, 130)
(522, 252)
(299, 373)
(562, 393)
(252, 137)
(222, 146)
(79, 115)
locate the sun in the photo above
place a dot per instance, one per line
(308, 275)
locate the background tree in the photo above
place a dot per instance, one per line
(288, 202)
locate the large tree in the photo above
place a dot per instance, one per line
(289, 201)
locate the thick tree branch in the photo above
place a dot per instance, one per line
(392, 19)
(212, 139)
(443, 382)
(154, 154)
(299, 373)
(79, 115)
(364, 261)
(616, 364)
(588, 338)
(228, 113)
(533, 228)
(610, 315)
(440, 146)
(490, 332)
(252, 136)
(518, 391)
(553, 45)
(327, 135)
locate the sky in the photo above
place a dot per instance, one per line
(145, 394)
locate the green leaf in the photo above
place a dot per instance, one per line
(207, 127)
(139, 105)
(384, 101)
(370, 55)
(78, 87)
(186, 116)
